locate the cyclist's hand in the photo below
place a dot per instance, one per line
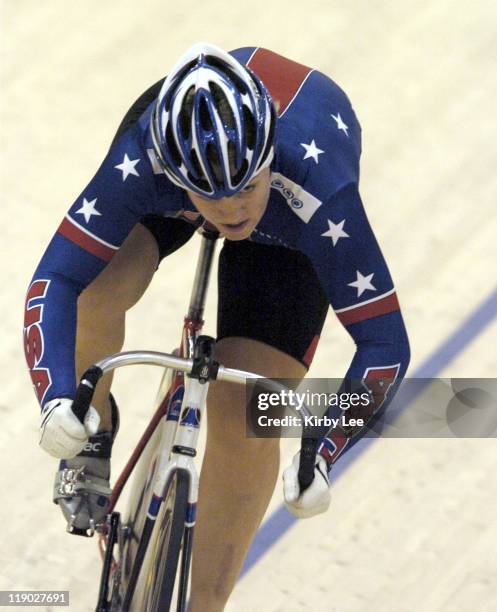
(316, 498)
(62, 434)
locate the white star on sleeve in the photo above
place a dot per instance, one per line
(335, 231)
(362, 283)
(340, 124)
(128, 167)
(88, 209)
(311, 150)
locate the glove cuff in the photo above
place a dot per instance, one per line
(98, 446)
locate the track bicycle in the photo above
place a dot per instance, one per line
(146, 552)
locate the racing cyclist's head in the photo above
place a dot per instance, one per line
(213, 129)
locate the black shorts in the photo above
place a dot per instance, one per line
(266, 293)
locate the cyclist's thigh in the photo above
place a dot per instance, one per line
(256, 356)
(273, 295)
(271, 310)
(227, 401)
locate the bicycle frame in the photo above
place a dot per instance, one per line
(180, 427)
(168, 445)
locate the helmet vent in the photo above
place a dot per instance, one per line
(240, 175)
(179, 76)
(223, 105)
(171, 144)
(231, 74)
(196, 164)
(177, 79)
(270, 138)
(200, 183)
(185, 115)
(167, 100)
(232, 157)
(214, 162)
(250, 128)
(205, 116)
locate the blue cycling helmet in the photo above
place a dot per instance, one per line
(213, 124)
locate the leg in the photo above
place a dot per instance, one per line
(238, 475)
(102, 308)
(271, 310)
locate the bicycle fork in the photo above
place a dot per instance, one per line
(181, 433)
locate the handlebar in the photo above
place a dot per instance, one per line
(85, 391)
(89, 380)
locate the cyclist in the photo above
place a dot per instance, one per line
(267, 151)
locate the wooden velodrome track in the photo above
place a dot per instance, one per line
(412, 526)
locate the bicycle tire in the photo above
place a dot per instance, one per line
(171, 525)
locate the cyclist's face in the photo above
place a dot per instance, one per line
(237, 216)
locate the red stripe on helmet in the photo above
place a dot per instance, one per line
(282, 77)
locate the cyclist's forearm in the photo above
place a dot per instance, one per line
(378, 366)
(50, 335)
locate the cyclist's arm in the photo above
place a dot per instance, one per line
(86, 240)
(354, 274)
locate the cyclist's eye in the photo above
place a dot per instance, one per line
(248, 188)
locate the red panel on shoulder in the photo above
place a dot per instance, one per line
(281, 76)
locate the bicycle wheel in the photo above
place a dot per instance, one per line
(167, 546)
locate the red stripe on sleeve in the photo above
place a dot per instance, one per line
(387, 304)
(281, 76)
(86, 242)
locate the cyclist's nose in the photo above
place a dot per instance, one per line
(231, 207)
